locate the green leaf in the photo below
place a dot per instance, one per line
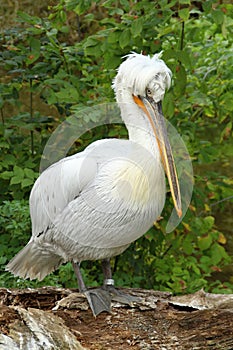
(18, 172)
(184, 14)
(114, 36)
(218, 16)
(4, 144)
(116, 11)
(26, 183)
(111, 61)
(35, 44)
(178, 55)
(68, 94)
(11, 63)
(124, 39)
(63, 16)
(16, 180)
(184, 58)
(3, 260)
(205, 242)
(218, 253)
(32, 57)
(181, 80)
(202, 226)
(55, 81)
(81, 7)
(226, 133)
(90, 42)
(52, 32)
(92, 47)
(27, 18)
(207, 5)
(164, 30)
(136, 28)
(6, 175)
(208, 222)
(188, 245)
(9, 159)
(29, 173)
(35, 30)
(226, 101)
(168, 105)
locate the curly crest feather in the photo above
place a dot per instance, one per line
(137, 71)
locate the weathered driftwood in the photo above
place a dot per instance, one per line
(53, 318)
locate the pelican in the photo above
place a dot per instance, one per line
(93, 204)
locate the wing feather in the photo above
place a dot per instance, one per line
(56, 187)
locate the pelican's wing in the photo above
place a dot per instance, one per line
(56, 187)
(63, 181)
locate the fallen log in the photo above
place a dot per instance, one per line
(59, 319)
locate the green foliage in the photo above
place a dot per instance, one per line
(180, 262)
(66, 61)
(14, 230)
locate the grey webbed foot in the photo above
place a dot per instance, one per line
(122, 297)
(99, 300)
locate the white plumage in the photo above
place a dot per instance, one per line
(93, 204)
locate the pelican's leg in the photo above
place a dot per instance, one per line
(107, 272)
(81, 285)
(109, 285)
(98, 298)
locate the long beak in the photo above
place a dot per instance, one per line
(154, 113)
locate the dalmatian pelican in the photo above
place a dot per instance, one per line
(93, 204)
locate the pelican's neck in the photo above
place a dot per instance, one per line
(137, 123)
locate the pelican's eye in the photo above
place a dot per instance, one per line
(148, 92)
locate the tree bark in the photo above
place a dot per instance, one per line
(59, 319)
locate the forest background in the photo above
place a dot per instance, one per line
(56, 60)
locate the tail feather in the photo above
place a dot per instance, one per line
(33, 262)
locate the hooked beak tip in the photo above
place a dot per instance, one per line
(179, 212)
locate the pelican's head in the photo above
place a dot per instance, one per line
(140, 84)
(141, 75)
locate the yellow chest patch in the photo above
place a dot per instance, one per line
(133, 183)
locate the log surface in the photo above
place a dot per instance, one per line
(53, 318)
